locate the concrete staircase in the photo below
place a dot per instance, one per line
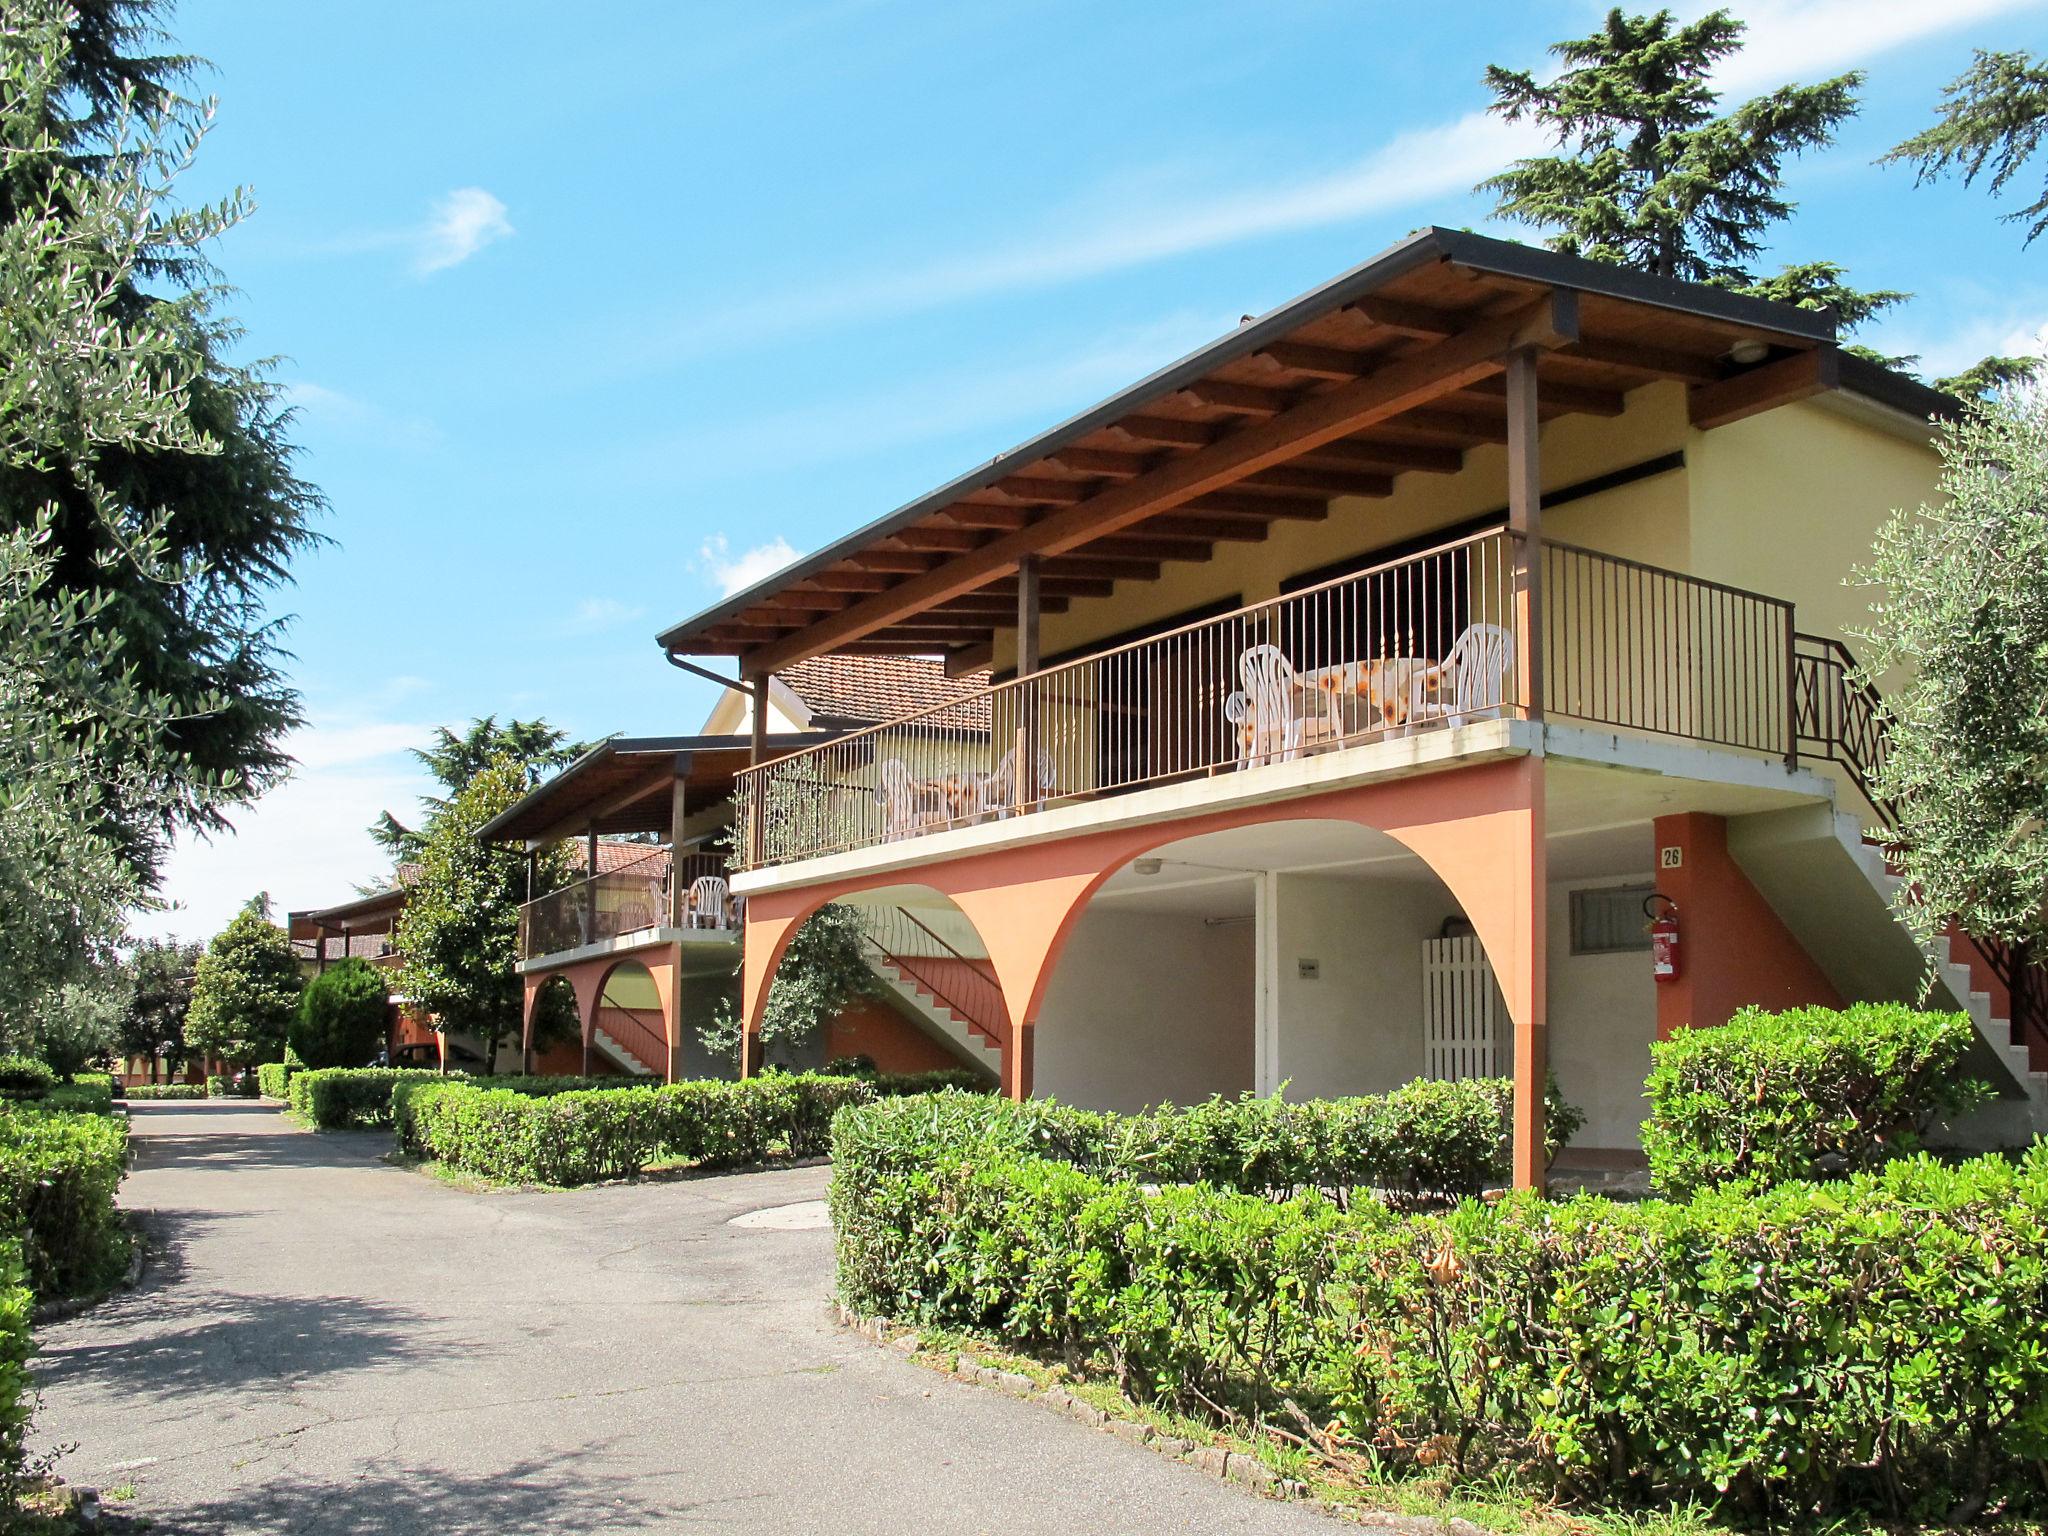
(936, 1017)
(1833, 890)
(619, 1055)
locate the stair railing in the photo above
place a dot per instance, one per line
(646, 1045)
(928, 960)
(1839, 717)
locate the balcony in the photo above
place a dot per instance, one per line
(641, 897)
(1413, 646)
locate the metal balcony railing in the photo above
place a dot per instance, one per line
(635, 896)
(1411, 645)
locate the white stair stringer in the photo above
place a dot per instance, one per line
(633, 1065)
(934, 1018)
(1833, 891)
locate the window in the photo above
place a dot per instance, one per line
(1609, 920)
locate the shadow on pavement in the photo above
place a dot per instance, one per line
(556, 1493)
(197, 1347)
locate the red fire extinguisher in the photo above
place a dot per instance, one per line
(1663, 935)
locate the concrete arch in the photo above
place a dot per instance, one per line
(1479, 830)
(762, 952)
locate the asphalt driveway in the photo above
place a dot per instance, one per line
(326, 1343)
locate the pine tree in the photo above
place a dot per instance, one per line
(173, 541)
(455, 760)
(1992, 116)
(1654, 175)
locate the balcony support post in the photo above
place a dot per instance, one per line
(1525, 523)
(757, 724)
(1527, 983)
(1024, 782)
(590, 883)
(678, 813)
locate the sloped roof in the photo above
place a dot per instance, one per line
(869, 690)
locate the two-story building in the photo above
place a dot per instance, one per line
(1365, 682)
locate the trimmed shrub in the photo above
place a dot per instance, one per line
(897, 1085)
(217, 1087)
(1807, 1093)
(528, 1131)
(1428, 1141)
(17, 1391)
(24, 1077)
(331, 1098)
(273, 1078)
(92, 1094)
(167, 1091)
(1781, 1357)
(58, 1176)
(342, 1015)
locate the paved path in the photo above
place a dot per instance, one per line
(326, 1344)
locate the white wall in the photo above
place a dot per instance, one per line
(1147, 1008)
(1356, 1028)
(1603, 1016)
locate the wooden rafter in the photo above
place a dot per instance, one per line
(1426, 375)
(1761, 389)
(1167, 430)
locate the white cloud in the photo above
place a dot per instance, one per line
(732, 573)
(351, 415)
(464, 222)
(1796, 39)
(596, 614)
(306, 842)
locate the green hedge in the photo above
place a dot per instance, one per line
(91, 1094)
(274, 1077)
(23, 1077)
(527, 1131)
(1778, 1357)
(17, 1391)
(58, 1176)
(330, 1098)
(1425, 1142)
(167, 1091)
(1806, 1093)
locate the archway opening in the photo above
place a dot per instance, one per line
(557, 1025)
(628, 1031)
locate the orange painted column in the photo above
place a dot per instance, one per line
(1733, 951)
(529, 998)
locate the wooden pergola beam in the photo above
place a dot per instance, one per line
(1425, 375)
(1797, 377)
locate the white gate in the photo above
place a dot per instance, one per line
(1460, 1003)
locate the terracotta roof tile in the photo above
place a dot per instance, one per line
(871, 690)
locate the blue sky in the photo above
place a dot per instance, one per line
(590, 316)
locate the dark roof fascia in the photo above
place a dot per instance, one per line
(352, 908)
(1888, 387)
(1502, 257)
(643, 746)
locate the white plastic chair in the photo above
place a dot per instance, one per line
(1237, 709)
(1471, 680)
(706, 907)
(1269, 708)
(995, 794)
(902, 814)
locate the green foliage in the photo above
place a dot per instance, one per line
(1772, 1097)
(823, 972)
(530, 1133)
(893, 1085)
(273, 1077)
(1990, 377)
(1652, 174)
(17, 1390)
(1427, 1141)
(459, 934)
(159, 974)
(342, 1015)
(58, 1176)
(24, 1077)
(89, 1095)
(245, 991)
(155, 470)
(334, 1098)
(1779, 1359)
(454, 760)
(1991, 116)
(1960, 618)
(151, 1091)
(78, 1023)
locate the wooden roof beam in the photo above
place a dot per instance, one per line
(1249, 530)
(1417, 320)
(1559, 398)
(1104, 461)
(1323, 482)
(1651, 362)
(1395, 457)
(1038, 488)
(975, 514)
(1463, 419)
(946, 540)
(900, 562)
(1797, 377)
(1165, 430)
(1088, 566)
(1425, 375)
(1240, 502)
(1244, 399)
(1322, 362)
(836, 580)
